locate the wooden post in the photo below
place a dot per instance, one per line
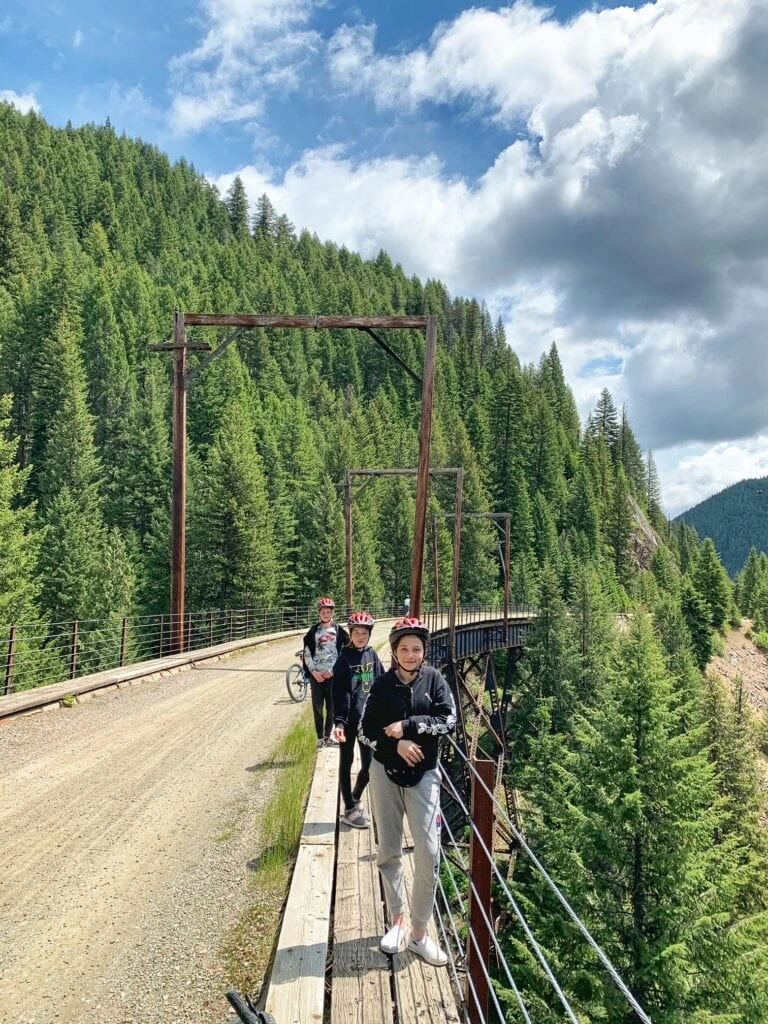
(435, 567)
(480, 892)
(179, 491)
(456, 559)
(348, 535)
(73, 652)
(123, 640)
(507, 547)
(8, 687)
(422, 480)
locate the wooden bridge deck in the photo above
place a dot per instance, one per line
(334, 918)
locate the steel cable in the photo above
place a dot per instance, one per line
(488, 924)
(566, 905)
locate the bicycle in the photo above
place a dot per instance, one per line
(297, 680)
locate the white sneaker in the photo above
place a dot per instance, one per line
(391, 942)
(428, 950)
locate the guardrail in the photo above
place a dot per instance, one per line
(37, 653)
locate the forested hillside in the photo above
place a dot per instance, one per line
(636, 773)
(736, 519)
(100, 238)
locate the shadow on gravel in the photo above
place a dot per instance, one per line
(266, 766)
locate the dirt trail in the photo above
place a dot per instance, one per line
(126, 827)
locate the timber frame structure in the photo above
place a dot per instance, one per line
(458, 472)
(182, 376)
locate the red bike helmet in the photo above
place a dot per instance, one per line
(326, 602)
(361, 619)
(408, 627)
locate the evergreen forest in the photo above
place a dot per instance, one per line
(736, 519)
(638, 773)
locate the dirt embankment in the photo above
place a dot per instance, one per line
(742, 660)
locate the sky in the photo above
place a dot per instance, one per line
(597, 174)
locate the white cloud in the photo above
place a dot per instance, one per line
(24, 102)
(690, 475)
(626, 218)
(77, 39)
(251, 48)
(406, 206)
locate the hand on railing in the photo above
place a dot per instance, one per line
(245, 1009)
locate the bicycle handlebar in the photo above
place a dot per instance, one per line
(245, 1009)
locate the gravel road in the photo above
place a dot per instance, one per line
(126, 828)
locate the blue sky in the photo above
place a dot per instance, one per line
(597, 174)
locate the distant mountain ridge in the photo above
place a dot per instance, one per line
(736, 519)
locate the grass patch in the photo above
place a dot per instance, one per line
(247, 950)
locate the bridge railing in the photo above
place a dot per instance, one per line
(469, 872)
(36, 653)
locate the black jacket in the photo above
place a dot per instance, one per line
(353, 676)
(425, 707)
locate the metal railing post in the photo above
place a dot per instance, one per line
(123, 640)
(8, 687)
(73, 652)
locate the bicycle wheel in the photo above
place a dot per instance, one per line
(296, 684)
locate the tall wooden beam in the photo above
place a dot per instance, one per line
(456, 561)
(179, 491)
(480, 873)
(318, 323)
(422, 483)
(348, 536)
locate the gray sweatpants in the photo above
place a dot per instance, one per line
(421, 806)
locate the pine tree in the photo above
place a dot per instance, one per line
(619, 524)
(320, 562)
(711, 581)
(648, 798)
(18, 538)
(237, 208)
(231, 542)
(605, 423)
(698, 619)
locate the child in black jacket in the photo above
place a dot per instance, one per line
(353, 674)
(408, 709)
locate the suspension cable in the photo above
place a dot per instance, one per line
(488, 924)
(513, 903)
(564, 902)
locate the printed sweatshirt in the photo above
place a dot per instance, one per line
(353, 676)
(322, 646)
(425, 707)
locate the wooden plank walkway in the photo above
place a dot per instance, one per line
(296, 993)
(366, 987)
